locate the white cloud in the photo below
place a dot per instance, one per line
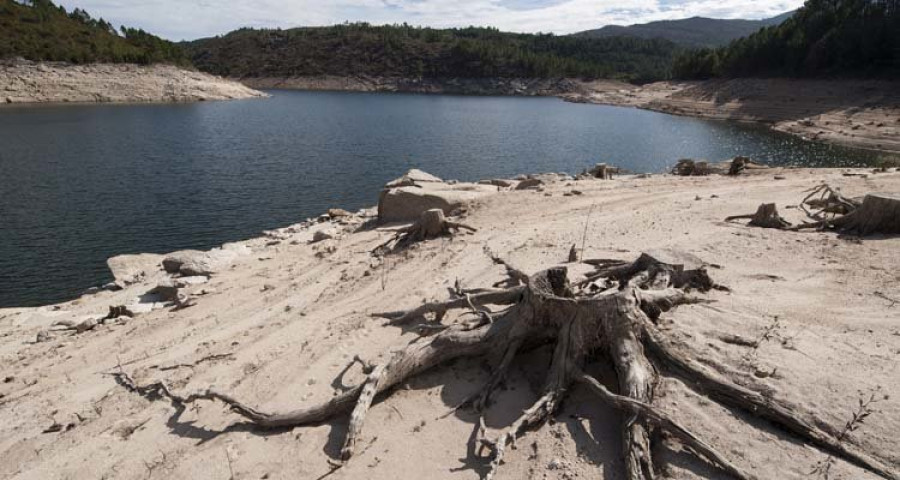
(189, 19)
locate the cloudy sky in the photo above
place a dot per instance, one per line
(190, 19)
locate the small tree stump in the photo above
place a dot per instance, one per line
(766, 216)
(737, 165)
(603, 171)
(431, 224)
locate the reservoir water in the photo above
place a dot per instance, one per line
(79, 184)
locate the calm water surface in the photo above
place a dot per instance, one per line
(80, 184)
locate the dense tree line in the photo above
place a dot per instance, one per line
(41, 30)
(824, 37)
(413, 52)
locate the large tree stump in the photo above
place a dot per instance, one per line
(581, 323)
(879, 213)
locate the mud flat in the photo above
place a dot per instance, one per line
(29, 82)
(811, 321)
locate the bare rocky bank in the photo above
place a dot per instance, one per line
(809, 320)
(855, 113)
(457, 86)
(43, 82)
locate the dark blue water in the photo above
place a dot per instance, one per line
(80, 184)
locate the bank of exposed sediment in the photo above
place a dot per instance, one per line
(23, 82)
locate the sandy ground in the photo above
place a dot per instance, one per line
(29, 82)
(279, 326)
(863, 114)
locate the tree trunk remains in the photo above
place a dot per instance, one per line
(431, 224)
(766, 216)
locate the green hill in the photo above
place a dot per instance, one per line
(692, 32)
(412, 52)
(39, 30)
(824, 37)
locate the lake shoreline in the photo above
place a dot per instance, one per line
(24, 82)
(861, 114)
(452, 86)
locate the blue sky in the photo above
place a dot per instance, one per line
(190, 19)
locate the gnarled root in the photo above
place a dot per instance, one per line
(582, 321)
(431, 224)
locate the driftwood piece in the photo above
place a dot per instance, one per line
(616, 324)
(739, 164)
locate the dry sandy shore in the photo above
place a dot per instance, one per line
(864, 114)
(281, 324)
(29, 82)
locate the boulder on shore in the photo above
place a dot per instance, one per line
(194, 263)
(129, 269)
(413, 177)
(408, 197)
(407, 204)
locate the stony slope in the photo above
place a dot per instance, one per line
(31, 82)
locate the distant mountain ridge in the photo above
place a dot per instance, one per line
(690, 32)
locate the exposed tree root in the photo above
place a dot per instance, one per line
(431, 224)
(610, 316)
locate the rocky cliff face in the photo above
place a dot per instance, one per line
(30, 82)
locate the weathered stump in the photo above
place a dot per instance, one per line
(766, 216)
(431, 224)
(879, 213)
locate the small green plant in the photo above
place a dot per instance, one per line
(864, 409)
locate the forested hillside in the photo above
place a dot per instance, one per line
(412, 52)
(692, 32)
(40, 30)
(824, 37)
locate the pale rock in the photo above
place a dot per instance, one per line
(408, 203)
(190, 281)
(413, 177)
(129, 269)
